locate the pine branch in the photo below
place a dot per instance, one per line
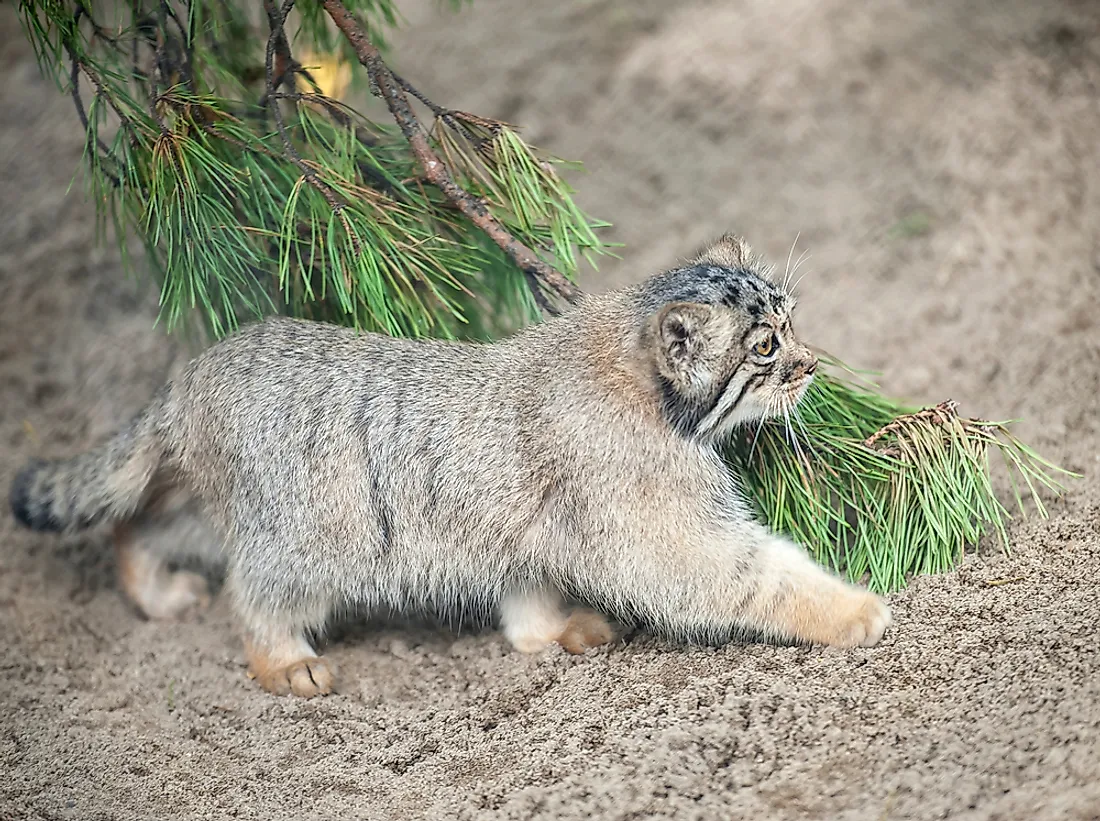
(392, 92)
(880, 491)
(92, 137)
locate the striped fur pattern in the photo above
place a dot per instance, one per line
(565, 478)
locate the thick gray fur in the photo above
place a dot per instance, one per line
(577, 457)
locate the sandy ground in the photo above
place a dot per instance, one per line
(939, 161)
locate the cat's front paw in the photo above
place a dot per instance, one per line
(307, 677)
(859, 620)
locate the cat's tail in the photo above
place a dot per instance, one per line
(103, 484)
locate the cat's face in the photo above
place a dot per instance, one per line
(729, 356)
(782, 369)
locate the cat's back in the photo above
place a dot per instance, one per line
(282, 363)
(281, 379)
(281, 350)
(289, 415)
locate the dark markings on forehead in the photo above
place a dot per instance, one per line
(737, 288)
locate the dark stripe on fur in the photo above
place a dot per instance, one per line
(722, 388)
(741, 394)
(683, 414)
(383, 512)
(433, 482)
(752, 329)
(751, 383)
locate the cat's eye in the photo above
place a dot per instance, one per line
(767, 347)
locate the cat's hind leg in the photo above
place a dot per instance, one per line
(160, 593)
(169, 526)
(534, 619)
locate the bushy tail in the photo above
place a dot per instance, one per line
(104, 484)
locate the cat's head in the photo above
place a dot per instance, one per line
(722, 343)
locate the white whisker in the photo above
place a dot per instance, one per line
(760, 427)
(799, 280)
(798, 262)
(794, 439)
(806, 433)
(787, 271)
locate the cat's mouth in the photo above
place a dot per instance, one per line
(797, 391)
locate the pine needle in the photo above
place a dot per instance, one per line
(881, 492)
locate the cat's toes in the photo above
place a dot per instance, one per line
(865, 621)
(311, 677)
(188, 594)
(584, 630)
(306, 678)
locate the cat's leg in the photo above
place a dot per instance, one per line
(745, 578)
(281, 658)
(169, 525)
(282, 661)
(159, 592)
(278, 613)
(533, 619)
(794, 596)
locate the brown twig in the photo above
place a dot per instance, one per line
(280, 49)
(97, 29)
(437, 110)
(942, 414)
(186, 71)
(392, 91)
(103, 94)
(458, 121)
(161, 79)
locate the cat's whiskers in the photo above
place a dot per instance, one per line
(800, 423)
(787, 271)
(789, 433)
(796, 266)
(768, 412)
(802, 458)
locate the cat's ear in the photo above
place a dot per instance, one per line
(682, 336)
(728, 251)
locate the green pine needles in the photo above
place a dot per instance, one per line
(880, 491)
(253, 192)
(254, 189)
